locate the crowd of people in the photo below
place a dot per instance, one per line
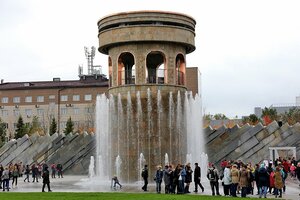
(236, 177)
(15, 171)
(177, 180)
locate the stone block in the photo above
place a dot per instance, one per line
(250, 133)
(13, 155)
(215, 134)
(272, 127)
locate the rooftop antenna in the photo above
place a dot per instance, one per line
(90, 54)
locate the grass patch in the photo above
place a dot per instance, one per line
(100, 195)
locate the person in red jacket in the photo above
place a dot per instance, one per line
(272, 182)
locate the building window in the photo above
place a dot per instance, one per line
(28, 99)
(40, 111)
(63, 111)
(89, 110)
(64, 97)
(88, 97)
(4, 113)
(16, 99)
(16, 113)
(76, 97)
(76, 111)
(28, 112)
(51, 96)
(40, 98)
(4, 100)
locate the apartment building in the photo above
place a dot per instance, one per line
(48, 99)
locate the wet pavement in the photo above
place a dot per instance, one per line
(84, 184)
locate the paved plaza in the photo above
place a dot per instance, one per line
(84, 184)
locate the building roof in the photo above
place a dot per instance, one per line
(56, 83)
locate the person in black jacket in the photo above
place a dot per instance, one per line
(263, 179)
(145, 177)
(46, 179)
(197, 178)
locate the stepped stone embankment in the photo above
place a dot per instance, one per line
(73, 151)
(250, 143)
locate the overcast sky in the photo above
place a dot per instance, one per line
(247, 51)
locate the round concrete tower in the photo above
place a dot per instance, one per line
(147, 73)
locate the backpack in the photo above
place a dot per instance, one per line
(211, 175)
(143, 173)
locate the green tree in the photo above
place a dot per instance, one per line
(207, 117)
(53, 126)
(69, 126)
(2, 132)
(220, 116)
(270, 112)
(292, 116)
(21, 128)
(35, 126)
(251, 119)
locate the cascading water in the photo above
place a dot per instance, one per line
(170, 120)
(102, 137)
(139, 128)
(189, 158)
(149, 120)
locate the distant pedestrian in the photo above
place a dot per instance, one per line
(5, 179)
(197, 178)
(244, 180)
(167, 179)
(27, 172)
(181, 179)
(278, 179)
(213, 177)
(227, 181)
(145, 177)
(46, 179)
(235, 177)
(53, 170)
(188, 177)
(35, 173)
(158, 178)
(116, 182)
(15, 175)
(59, 168)
(263, 178)
(1, 172)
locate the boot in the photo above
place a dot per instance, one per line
(187, 189)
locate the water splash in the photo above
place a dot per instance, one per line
(166, 160)
(118, 164)
(91, 168)
(141, 163)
